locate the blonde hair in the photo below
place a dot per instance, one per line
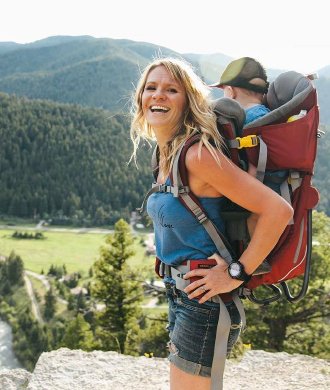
(198, 116)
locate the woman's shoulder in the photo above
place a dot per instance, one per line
(199, 157)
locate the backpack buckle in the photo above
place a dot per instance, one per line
(247, 142)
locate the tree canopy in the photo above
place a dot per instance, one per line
(67, 163)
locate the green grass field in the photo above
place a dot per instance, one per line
(78, 251)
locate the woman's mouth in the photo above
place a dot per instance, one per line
(159, 109)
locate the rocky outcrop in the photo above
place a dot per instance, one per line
(65, 369)
(72, 370)
(15, 379)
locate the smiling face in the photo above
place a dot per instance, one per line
(163, 102)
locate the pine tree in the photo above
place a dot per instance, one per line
(78, 335)
(50, 305)
(117, 286)
(15, 269)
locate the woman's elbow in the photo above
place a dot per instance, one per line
(285, 211)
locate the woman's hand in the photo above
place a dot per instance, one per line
(213, 281)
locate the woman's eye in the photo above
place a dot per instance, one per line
(150, 88)
(172, 90)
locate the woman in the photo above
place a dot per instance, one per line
(171, 104)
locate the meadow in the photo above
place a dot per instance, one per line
(77, 250)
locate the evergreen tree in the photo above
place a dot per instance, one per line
(50, 305)
(81, 301)
(15, 269)
(11, 273)
(71, 302)
(118, 288)
(31, 339)
(155, 337)
(78, 335)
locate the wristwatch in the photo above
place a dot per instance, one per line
(236, 271)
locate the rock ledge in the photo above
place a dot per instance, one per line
(66, 369)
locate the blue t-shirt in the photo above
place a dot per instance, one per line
(178, 234)
(255, 112)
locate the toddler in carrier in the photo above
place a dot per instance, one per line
(245, 80)
(290, 97)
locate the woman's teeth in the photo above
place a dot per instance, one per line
(159, 109)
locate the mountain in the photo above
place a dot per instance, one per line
(210, 65)
(8, 46)
(101, 72)
(88, 72)
(67, 162)
(85, 70)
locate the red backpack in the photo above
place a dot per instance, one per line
(282, 144)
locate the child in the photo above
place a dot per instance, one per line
(245, 80)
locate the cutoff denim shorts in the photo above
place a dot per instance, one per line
(192, 330)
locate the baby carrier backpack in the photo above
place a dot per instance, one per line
(282, 145)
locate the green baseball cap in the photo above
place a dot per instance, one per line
(241, 73)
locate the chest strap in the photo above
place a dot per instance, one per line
(156, 187)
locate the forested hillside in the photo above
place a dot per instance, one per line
(59, 159)
(62, 160)
(84, 70)
(323, 91)
(322, 171)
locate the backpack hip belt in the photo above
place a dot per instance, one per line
(224, 322)
(177, 273)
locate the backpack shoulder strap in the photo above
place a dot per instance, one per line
(179, 179)
(156, 187)
(155, 162)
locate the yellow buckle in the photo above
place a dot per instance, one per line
(247, 142)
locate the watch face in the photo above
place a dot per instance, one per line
(235, 269)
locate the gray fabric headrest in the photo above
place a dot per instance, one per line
(229, 109)
(285, 87)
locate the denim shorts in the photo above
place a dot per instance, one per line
(192, 329)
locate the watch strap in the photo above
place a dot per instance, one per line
(243, 276)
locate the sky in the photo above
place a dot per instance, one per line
(282, 34)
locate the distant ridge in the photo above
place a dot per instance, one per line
(97, 72)
(8, 46)
(57, 40)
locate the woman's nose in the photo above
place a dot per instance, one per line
(158, 94)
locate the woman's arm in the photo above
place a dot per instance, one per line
(208, 178)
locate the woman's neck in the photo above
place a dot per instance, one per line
(162, 139)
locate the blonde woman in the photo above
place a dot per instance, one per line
(171, 104)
